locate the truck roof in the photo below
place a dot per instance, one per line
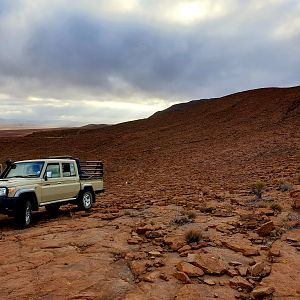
(47, 159)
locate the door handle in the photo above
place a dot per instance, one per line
(59, 182)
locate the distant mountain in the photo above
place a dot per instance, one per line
(94, 126)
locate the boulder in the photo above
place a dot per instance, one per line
(240, 282)
(189, 269)
(262, 291)
(182, 277)
(265, 229)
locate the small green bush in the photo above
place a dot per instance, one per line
(258, 188)
(193, 236)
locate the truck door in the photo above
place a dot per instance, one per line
(52, 184)
(70, 180)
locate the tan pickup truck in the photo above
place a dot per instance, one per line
(27, 185)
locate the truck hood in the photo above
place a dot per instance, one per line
(10, 182)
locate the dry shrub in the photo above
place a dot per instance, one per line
(193, 236)
(258, 188)
(285, 186)
(181, 220)
(191, 214)
(276, 207)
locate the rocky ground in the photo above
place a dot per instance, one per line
(178, 219)
(238, 248)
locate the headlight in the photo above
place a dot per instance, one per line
(3, 192)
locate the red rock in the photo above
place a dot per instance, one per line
(174, 242)
(256, 269)
(262, 291)
(232, 272)
(265, 229)
(240, 282)
(210, 263)
(275, 249)
(209, 281)
(134, 240)
(189, 269)
(137, 267)
(152, 276)
(242, 270)
(144, 229)
(184, 248)
(182, 277)
(241, 245)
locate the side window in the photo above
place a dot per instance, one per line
(53, 170)
(72, 168)
(68, 169)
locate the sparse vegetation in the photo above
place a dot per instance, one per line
(127, 213)
(187, 217)
(285, 186)
(206, 210)
(191, 214)
(181, 220)
(258, 188)
(193, 236)
(276, 207)
(261, 204)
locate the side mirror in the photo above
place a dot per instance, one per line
(48, 175)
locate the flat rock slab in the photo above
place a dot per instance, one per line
(240, 244)
(189, 269)
(210, 263)
(204, 292)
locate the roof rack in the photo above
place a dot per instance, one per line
(61, 157)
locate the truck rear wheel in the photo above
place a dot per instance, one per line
(24, 214)
(85, 200)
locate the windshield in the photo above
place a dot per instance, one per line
(25, 169)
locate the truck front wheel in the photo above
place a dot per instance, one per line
(24, 214)
(85, 200)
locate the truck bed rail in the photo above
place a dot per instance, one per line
(91, 169)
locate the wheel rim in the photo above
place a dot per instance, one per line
(87, 200)
(27, 214)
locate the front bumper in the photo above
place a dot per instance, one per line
(7, 204)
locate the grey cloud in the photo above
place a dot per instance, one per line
(75, 53)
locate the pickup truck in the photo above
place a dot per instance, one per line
(28, 185)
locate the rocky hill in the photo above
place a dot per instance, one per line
(185, 170)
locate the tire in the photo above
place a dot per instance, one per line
(52, 208)
(24, 214)
(85, 200)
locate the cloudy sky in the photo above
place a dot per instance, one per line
(67, 62)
